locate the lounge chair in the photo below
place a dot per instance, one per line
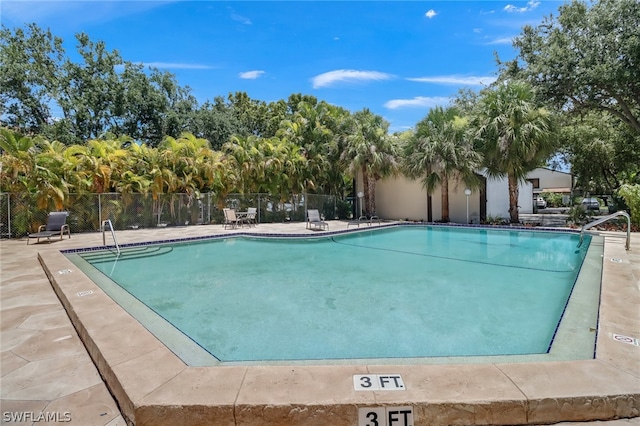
(252, 212)
(313, 219)
(56, 225)
(230, 219)
(364, 219)
(358, 222)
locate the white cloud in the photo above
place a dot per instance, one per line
(502, 40)
(456, 79)
(531, 4)
(431, 13)
(417, 102)
(251, 75)
(329, 78)
(177, 65)
(239, 18)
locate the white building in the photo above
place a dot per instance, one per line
(402, 198)
(547, 180)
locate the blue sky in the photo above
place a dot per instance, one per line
(397, 58)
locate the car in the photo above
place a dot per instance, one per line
(590, 203)
(540, 203)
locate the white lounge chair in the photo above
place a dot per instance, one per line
(230, 219)
(314, 219)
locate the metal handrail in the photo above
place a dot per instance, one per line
(113, 234)
(606, 218)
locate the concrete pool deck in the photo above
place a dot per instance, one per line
(45, 367)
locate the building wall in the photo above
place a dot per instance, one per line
(458, 204)
(498, 197)
(400, 198)
(551, 179)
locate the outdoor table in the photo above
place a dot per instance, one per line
(242, 217)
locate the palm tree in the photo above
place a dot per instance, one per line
(77, 176)
(34, 166)
(163, 180)
(336, 181)
(105, 159)
(243, 153)
(50, 175)
(308, 129)
(514, 135)
(18, 160)
(136, 179)
(285, 168)
(224, 176)
(438, 153)
(186, 157)
(370, 150)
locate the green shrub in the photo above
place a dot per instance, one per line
(577, 216)
(343, 209)
(496, 220)
(553, 199)
(631, 195)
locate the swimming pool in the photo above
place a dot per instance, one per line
(403, 292)
(153, 385)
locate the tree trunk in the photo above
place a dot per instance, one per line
(369, 184)
(371, 208)
(365, 189)
(444, 188)
(513, 199)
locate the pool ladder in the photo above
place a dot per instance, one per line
(108, 223)
(606, 218)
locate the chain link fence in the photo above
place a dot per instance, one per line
(20, 214)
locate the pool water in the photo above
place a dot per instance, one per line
(401, 292)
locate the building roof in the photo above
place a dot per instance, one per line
(552, 170)
(555, 190)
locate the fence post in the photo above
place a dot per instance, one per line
(9, 214)
(99, 209)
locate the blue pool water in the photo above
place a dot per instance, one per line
(404, 292)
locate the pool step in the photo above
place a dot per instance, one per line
(127, 254)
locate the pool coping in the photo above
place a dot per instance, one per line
(153, 386)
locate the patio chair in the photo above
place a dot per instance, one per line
(56, 225)
(252, 213)
(313, 219)
(231, 219)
